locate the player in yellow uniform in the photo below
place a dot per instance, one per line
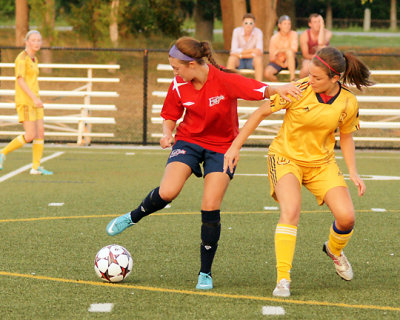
(303, 154)
(28, 104)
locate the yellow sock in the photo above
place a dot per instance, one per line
(285, 244)
(37, 152)
(338, 240)
(16, 143)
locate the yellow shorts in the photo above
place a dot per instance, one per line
(29, 113)
(319, 180)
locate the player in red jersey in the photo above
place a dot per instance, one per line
(303, 154)
(207, 96)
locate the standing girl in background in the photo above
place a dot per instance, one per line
(303, 153)
(28, 104)
(207, 95)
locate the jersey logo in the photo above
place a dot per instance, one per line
(177, 85)
(188, 104)
(282, 161)
(282, 101)
(342, 117)
(215, 100)
(307, 109)
(177, 152)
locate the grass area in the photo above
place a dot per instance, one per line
(47, 265)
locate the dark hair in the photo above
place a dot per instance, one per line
(197, 50)
(249, 16)
(353, 70)
(313, 15)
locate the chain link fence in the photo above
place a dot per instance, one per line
(138, 80)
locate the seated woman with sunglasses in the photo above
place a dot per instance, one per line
(247, 47)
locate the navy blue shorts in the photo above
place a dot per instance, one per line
(278, 67)
(246, 63)
(193, 155)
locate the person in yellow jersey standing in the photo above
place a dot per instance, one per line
(28, 104)
(303, 154)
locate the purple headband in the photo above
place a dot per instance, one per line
(174, 52)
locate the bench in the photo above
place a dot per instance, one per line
(82, 117)
(390, 115)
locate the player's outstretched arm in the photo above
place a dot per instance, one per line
(231, 157)
(284, 91)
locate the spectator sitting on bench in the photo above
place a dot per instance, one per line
(312, 40)
(247, 47)
(282, 50)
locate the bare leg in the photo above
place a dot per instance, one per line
(233, 62)
(175, 176)
(304, 68)
(270, 73)
(258, 68)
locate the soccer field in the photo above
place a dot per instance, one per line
(53, 226)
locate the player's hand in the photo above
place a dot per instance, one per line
(231, 159)
(359, 183)
(288, 89)
(166, 141)
(321, 21)
(38, 103)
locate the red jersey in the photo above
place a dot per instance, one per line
(210, 119)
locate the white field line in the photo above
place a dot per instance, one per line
(101, 307)
(346, 176)
(28, 166)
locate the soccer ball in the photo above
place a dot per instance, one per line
(113, 263)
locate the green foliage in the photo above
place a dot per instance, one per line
(7, 8)
(86, 18)
(155, 16)
(38, 11)
(344, 8)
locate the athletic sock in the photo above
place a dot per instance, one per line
(210, 233)
(338, 239)
(285, 244)
(37, 152)
(14, 144)
(152, 203)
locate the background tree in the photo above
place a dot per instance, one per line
(232, 12)
(21, 21)
(44, 14)
(367, 14)
(393, 15)
(204, 14)
(266, 17)
(83, 18)
(287, 7)
(329, 17)
(114, 22)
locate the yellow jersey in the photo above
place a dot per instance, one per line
(307, 135)
(28, 69)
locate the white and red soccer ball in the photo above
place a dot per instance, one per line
(113, 263)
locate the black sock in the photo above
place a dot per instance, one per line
(210, 233)
(152, 203)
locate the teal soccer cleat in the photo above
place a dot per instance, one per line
(205, 281)
(41, 171)
(119, 224)
(2, 158)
